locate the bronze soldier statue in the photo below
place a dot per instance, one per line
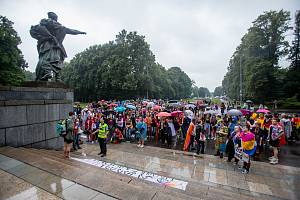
(50, 35)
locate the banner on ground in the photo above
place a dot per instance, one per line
(143, 175)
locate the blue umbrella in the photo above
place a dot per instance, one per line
(120, 109)
(130, 106)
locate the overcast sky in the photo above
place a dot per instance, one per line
(198, 36)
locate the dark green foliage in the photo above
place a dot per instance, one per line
(200, 92)
(218, 91)
(29, 76)
(123, 69)
(257, 56)
(12, 62)
(292, 81)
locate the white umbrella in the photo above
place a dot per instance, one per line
(189, 114)
(190, 106)
(234, 112)
(150, 105)
(212, 112)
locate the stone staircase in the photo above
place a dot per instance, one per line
(105, 182)
(43, 168)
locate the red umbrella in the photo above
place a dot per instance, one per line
(176, 113)
(163, 114)
(263, 111)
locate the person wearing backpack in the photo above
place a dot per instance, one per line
(68, 136)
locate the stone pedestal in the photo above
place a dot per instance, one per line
(28, 115)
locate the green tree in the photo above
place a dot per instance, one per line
(124, 68)
(180, 82)
(12, 62)
(203, 92)
(292, 80)
(255, 61)
(29, 76)
(218, 91)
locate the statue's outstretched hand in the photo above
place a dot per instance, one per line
(84, 33)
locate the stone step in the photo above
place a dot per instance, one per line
(56, 155)
(194, 189)
(99, 180)
(46, 185)
(117, 185)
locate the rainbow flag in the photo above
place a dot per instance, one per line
(248, 143)
(188, 136)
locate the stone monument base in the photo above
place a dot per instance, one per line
(28, 114)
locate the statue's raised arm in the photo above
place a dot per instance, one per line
(50, 35)
(74, 32)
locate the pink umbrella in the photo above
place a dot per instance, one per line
(163, 114)
(263, 111)
(176, 113)
(245, 112)
(157, 107)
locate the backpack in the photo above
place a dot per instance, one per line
(61, 128)
(69, 130)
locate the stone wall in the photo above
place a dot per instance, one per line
(28, 115)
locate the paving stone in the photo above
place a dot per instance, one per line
(15, 190)
(41, 194)
(215, 193)
(21, 170)
(101, 196)
(77, 192)
(36, 176)
(177, 196)
(55, 184)
(5, 165)
(4, 158)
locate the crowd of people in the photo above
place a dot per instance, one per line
(189, 126)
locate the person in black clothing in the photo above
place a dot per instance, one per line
(200, 137)
(259, 136)
(185, 125)
(230, 144)
(164, 132)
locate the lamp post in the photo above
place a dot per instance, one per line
(241, 81)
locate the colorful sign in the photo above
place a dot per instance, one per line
(239, 154)
(147, 176)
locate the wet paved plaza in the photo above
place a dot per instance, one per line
(40, 173)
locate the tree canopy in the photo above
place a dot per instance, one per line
(12, 62)
(255, 60)
(200, 92)
(218, 91)
(292, 80)
(124, 68)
